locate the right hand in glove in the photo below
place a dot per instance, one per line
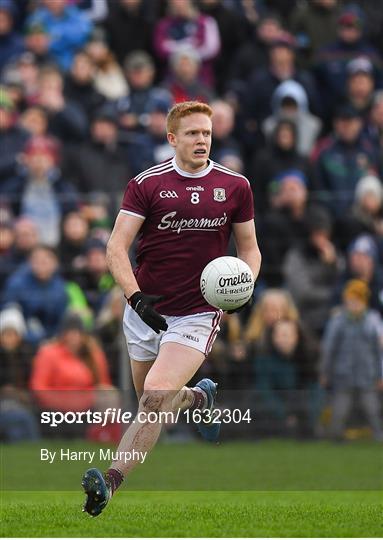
(143, 306)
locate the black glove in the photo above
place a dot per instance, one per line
(249, 303)
(142, 305)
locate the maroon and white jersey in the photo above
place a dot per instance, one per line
(188, 220)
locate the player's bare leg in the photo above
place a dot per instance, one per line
(173, 368)
(162, 384)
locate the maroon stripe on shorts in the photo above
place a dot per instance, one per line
(213, 333)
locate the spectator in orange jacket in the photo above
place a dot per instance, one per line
(68, 371)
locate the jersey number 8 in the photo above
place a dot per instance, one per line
(194, 198)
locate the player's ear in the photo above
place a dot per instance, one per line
(172, 139)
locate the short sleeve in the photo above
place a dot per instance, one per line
(135, 200)
(244, 210)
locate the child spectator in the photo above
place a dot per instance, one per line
(282, 374)
(351, 362)
(273, 304)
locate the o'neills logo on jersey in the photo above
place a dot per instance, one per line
(192, 224)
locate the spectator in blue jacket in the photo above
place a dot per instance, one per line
(11, 43)
(341, 160)
(67, 28)
(40, 292)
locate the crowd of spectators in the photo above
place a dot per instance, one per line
(297, 94)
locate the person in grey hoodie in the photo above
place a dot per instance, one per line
(289, 100)
(351, 363)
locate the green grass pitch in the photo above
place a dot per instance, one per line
(266, 489)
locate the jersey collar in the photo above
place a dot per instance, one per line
(191, 175)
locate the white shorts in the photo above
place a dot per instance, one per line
(197, 331)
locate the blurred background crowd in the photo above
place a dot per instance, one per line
(296, 87)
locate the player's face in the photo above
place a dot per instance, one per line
(192, 142)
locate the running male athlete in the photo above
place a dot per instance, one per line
(183, 212)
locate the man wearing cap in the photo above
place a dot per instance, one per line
(330, 63)
(360, 85)
(351, 362)
(139, 72)
(341, 159)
